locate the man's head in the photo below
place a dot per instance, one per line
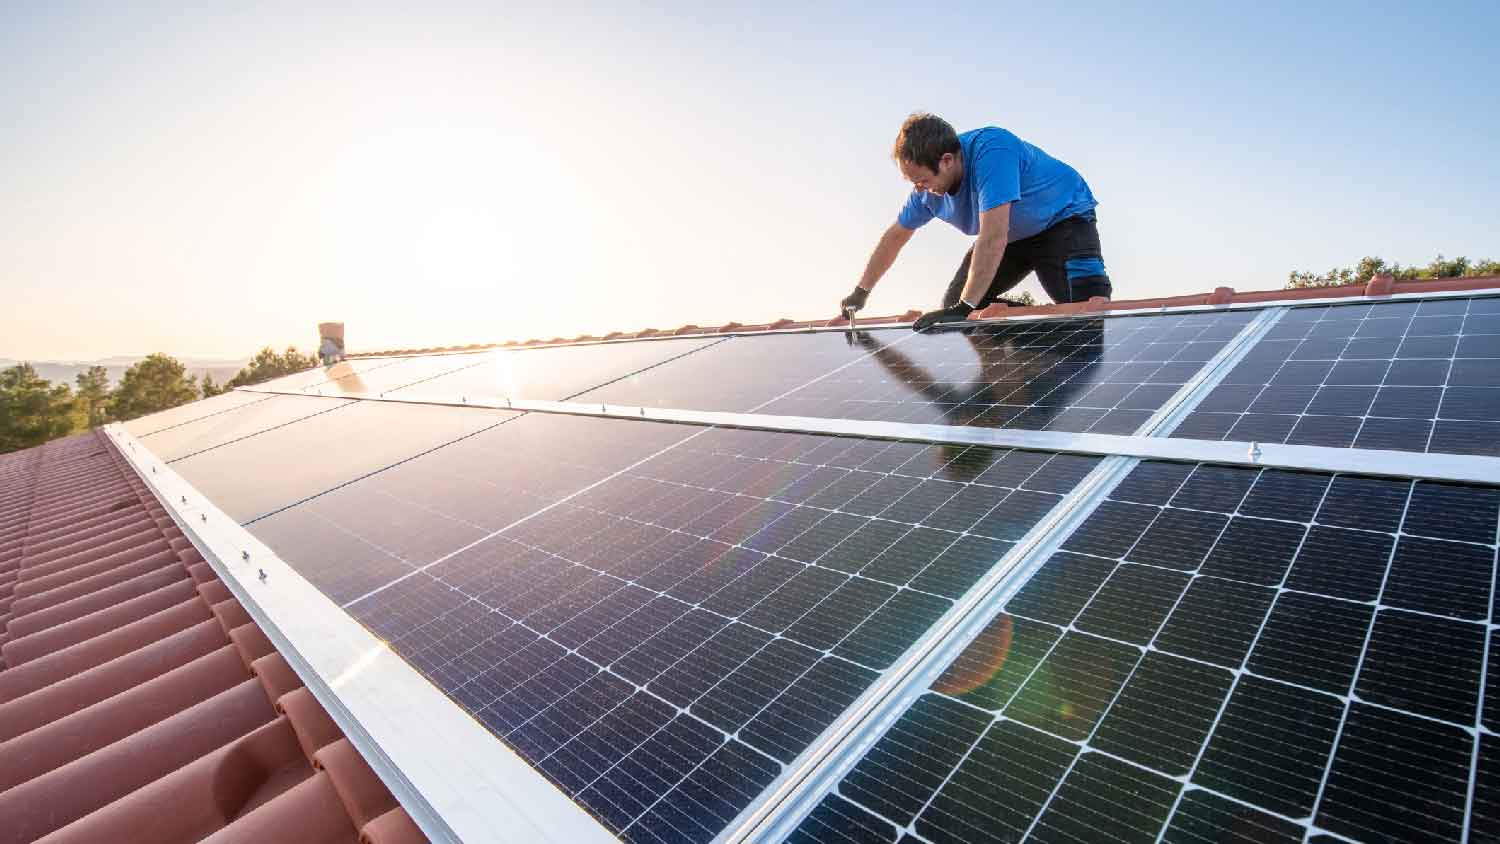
(928, 153)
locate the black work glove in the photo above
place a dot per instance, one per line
(853, 302)
(953, 313)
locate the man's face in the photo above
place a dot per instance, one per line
(944, 180)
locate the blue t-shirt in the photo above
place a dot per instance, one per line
(999, 168)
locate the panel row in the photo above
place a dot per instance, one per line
(1297, 648)
(1407, 376)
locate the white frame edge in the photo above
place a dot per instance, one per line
(1464, 468)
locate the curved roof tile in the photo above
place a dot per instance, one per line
(137, 699)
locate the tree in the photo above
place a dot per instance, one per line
(93, 395)
(153, 384)
(267, 365)
(1368, 266)
(1455, 268)
(32, 410)
(209, 388)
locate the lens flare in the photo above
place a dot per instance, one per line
(980, 663)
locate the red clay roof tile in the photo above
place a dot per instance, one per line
(137, 699)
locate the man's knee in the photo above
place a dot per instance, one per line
(1087, 278)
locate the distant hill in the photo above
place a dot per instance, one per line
(63, 372)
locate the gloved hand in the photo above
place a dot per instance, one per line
(953, 313)
(854, 301)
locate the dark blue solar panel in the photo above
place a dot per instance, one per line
(1098, 375)
(325, 443)
(718, 604)
(239, 422)
(1407, 376)
(1293, 651)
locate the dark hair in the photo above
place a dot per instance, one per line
(923, 139)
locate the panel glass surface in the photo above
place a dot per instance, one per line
(1408, 376)
(155, 422)
(1103, 375)
(555, 373)
(259, 474)
(361, 536)
(237, 423)
(395, 374)
(663, 643)
(1215, 654)
(319, 375)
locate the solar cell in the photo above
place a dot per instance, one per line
(1405, 376)
(716, 596)
(1099, 375)
(1311, 657)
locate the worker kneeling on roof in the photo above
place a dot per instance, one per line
(1028, 211)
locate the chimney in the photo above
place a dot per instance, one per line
(331, 342)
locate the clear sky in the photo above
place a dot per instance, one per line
(205, 183)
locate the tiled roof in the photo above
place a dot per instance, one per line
(138, 701)
(1378, 286)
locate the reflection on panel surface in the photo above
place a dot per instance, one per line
(679, 629)
(256, 475)
(320, 375)
(237, 423)
(393, 374)
(1096, 375)
(154, 423)
(362, 536)
(1210, 624)
(552, 373)
(1408, 376)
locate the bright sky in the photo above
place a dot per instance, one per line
(207, 183)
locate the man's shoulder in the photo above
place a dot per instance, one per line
(988, 135)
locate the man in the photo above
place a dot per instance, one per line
(1027, 210)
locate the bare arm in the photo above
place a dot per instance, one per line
(885, 253)
(994, 231)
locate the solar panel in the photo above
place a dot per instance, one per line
(182, 414)
(1097, 375)
(246, 419)
(666, 621)
(395, 373)
(255, 475)
(667, 634)
(319, 375)
(1408, 376)
(362, 535)
(1215, 653)
(553, 373)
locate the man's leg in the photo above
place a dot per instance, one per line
(1069, 262)
(1014, 266)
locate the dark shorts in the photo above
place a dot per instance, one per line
(1066, 259)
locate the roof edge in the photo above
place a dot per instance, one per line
(1379, 287)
